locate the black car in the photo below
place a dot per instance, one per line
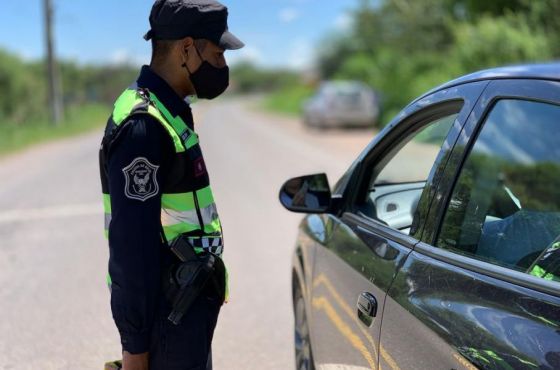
(440, 246)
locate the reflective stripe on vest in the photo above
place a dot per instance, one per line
(180, 213)
(543, 272)
(107, 208)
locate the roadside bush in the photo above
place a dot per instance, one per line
(401, 52)
(496, 41)
(247, 78)
(23, 89)
(288, 100)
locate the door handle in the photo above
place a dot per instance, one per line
(367, 308)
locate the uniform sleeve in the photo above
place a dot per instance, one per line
(135, 183)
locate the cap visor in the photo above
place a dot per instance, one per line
(149, 35)
(229, 42)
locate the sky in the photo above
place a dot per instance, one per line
(277, 33)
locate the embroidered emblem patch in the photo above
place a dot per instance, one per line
(141, 182)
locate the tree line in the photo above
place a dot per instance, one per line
(24, 86)
(402, 48)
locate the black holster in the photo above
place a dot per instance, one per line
(190, 278)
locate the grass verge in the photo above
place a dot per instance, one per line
(18, 136)
(288, 100)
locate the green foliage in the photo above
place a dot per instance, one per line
(403, 48)
(494, 41)
(494, 8)
(87, 91)
(536, 185)
(100, 84)
(24, 87)
(543, 15)
(288, 100)
(78, 119)
(247, 78)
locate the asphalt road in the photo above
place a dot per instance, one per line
(54, 304)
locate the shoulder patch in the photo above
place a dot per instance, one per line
(141, 181)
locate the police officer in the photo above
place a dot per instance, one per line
(157, 191)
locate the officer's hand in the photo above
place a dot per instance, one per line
(135, 362)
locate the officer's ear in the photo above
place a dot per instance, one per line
(186, 46)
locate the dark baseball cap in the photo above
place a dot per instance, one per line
(199, 19)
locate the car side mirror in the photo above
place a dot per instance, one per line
(307, 194)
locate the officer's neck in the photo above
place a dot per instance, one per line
(175, 78)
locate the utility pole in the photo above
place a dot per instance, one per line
(55, 102)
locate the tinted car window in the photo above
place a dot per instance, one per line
(395, 192)
(505, 208)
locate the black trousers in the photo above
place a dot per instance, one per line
(187, 346)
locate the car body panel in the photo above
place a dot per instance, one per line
(463, 317)
(352, 262)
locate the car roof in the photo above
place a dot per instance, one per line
(545, 71)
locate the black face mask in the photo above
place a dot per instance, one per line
(209, 81)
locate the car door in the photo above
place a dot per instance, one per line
(482, 288)
(368, 242)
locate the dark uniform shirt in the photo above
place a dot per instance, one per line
(138, 254)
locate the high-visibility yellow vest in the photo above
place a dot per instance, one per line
(190, 213)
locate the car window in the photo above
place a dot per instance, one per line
(396, 183)
(505, 208)
(414, 160)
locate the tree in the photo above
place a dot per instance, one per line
(23, 89)
(402, 48)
